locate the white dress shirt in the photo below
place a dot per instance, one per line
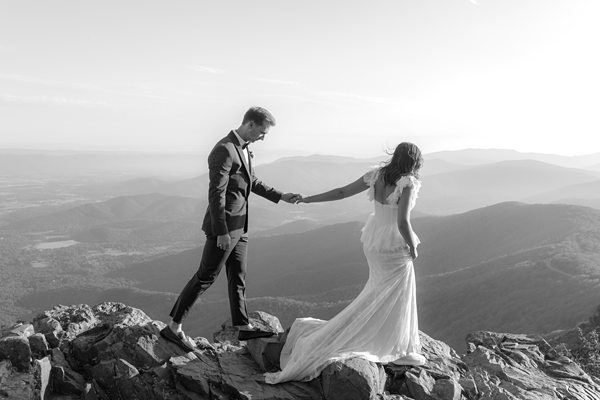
(242, 142)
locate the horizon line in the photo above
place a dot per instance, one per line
(153, 151)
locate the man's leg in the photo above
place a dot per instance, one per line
(210, 266)
(236, 282)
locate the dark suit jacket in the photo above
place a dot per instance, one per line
(231, 181)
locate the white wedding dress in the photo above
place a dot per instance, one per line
(380, 325)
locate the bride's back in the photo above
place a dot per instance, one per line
(381, 191)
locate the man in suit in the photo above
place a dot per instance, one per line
(231, 179)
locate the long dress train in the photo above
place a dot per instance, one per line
(380, 324)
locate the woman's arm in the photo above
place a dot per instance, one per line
(351, 189)
(404, 225)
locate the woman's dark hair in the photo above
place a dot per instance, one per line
(406, 160)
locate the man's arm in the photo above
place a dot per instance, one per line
(265, 191)
(274, 195)
(219, 165)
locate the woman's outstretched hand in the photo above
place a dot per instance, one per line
(301, 199)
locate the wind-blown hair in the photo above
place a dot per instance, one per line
(406, 160)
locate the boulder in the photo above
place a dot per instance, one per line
(259, 319)
(44, 324)
(112, 351)
(234, 375)
(42, 368)
(442, 360)
(17, 350)
(524, 367)
(18, 329)
(53, 339)
(64, 380)
(38, 345)
(14, 384)
(119, 379)
(266, 351)
(72, 319)
(353, 379)
(420, 385)
(122, 333)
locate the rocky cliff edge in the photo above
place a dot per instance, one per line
(113, 351)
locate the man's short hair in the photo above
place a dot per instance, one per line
(259, 116)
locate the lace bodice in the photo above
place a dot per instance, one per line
(381, 229)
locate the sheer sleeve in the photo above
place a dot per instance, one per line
(405, 181)
(370, 178)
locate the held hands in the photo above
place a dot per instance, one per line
(302, 199)
(291, 198)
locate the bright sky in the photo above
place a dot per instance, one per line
(343, 77)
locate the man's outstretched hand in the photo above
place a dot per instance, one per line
(291, 197)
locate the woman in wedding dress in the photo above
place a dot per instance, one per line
(380, 324)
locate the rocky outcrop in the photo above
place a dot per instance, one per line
(112, 351)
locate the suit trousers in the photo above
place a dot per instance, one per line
(211, 264)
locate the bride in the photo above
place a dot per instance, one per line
(380, 325)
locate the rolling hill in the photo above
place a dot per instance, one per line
(484, 185)
(153, 206)
(511, 266)
(583, 194)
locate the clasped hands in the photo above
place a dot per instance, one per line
(224, 241)
(292, 198)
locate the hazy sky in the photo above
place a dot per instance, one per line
(341, 77)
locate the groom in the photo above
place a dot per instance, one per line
(231, 179)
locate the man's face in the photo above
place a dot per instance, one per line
(258, 132)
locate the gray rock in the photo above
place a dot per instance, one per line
(19, 329)
(44, 324)
(52, 339)
(38, 345)
(16, 385)
(260, 319)
(107, 372)
(266, 351)
(42, 368)
(524, 367)
(72, 319)
(447, 389)
(64, 380)
(58, 358)
(119, 379)
(123, 333)
(442, 360)
(17, 350)
(234, 375)
(355, 378)
(420, 385)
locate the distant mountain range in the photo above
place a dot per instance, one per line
(507, 267)
(484, 156)
(584, 194)
(448, 187)
(157, 208)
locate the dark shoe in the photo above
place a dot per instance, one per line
(247, 335)
(172, 337)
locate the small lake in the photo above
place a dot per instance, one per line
(55, 245)
(39, 264)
